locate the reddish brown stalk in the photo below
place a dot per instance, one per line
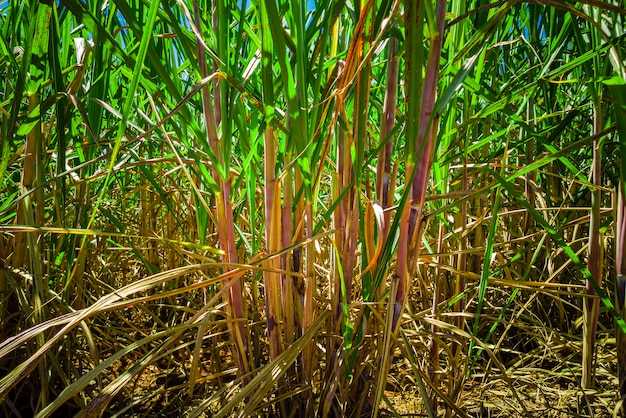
(410, 235)
(309, 288)
(426, 125)
(273, 293)
(216, 81)
(287, 279)
(350, 143)
(620, 284)
(357, 64)
(591, 306)
(346, 221)
(224, 219)
(383, 170)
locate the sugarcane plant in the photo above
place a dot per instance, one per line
(311, 208)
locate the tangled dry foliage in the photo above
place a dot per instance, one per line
(538, 358)
(296, 209)
(532, 370)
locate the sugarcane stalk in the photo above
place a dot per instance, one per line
(224, 219)
(591, 306)
(620, 287)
